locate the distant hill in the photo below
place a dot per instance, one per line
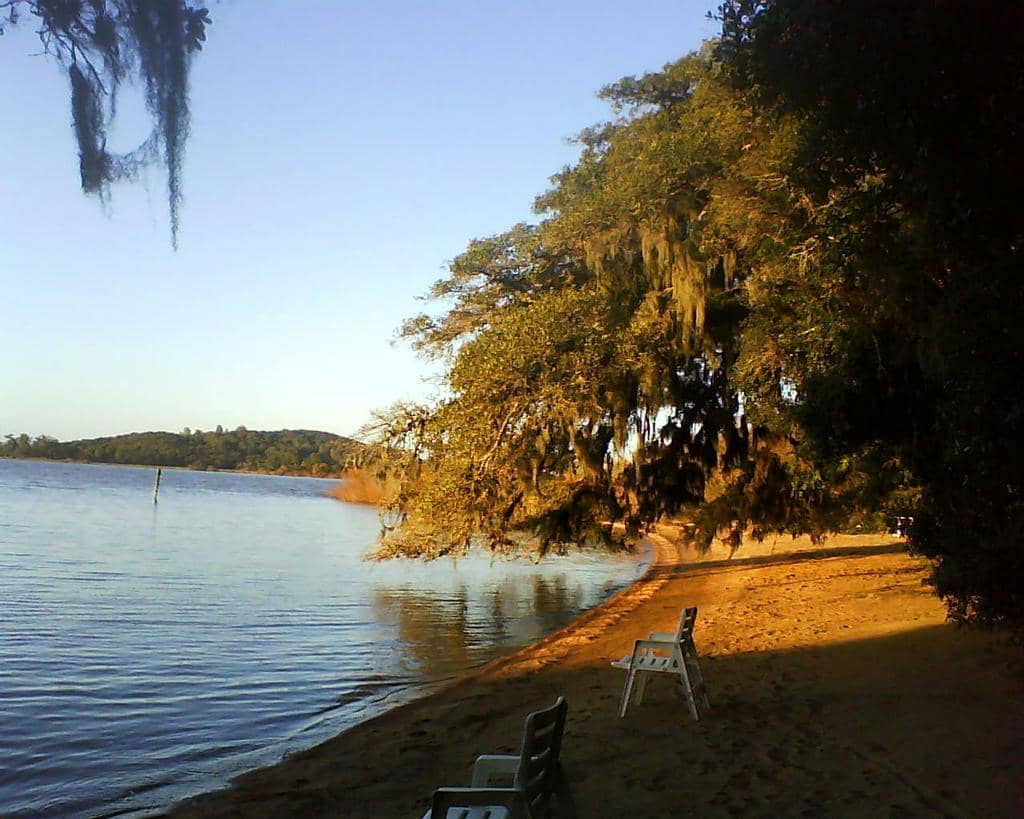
(287, 451)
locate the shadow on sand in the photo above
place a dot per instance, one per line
(925, 721)
(778, 559)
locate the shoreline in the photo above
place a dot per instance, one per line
(664, 555)
(332, 477)
(837, 689)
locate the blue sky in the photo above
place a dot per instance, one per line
(340, 155)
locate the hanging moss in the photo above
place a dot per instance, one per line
(100, 43)
(87, 115)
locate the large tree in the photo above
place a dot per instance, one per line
(589, 356)
(103, 43)
(898, 308)
(782, 287)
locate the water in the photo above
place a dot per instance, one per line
(151, 652)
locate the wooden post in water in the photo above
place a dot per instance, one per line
(156, 489)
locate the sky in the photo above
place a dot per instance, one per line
(340, 155)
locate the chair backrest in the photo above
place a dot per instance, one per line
(537, 773)
(687, 620)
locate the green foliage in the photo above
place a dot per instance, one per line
(293, 452)
(103, 42)
(588, 356)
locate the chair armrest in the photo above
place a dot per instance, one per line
(508, 798)
(490, 765)
(660, 645)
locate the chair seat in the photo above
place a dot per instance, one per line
(647, 663)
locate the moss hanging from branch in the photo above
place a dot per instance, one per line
(100, 43)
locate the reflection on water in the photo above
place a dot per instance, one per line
(435, 635)
(442, 636)
(151, 652)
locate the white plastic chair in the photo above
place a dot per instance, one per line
(665, 653)
(535, 773)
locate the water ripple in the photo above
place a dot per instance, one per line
(149, 653)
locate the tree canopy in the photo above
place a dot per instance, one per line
(780, 289)
(103, 43)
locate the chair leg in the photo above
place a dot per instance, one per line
(685, 678)
(627, 689)
(641, 685)
(702, 686)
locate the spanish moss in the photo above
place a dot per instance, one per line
(102, 42)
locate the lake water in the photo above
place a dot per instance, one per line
(151, 652)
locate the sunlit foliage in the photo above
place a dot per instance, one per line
(779, 290)
(588, 356)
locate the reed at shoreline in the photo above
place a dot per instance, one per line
(363, 486)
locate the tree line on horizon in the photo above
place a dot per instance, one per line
(289, 451)
(780, 291)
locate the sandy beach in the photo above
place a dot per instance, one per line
(837, 688)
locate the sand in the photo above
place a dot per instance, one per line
(837, 689)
